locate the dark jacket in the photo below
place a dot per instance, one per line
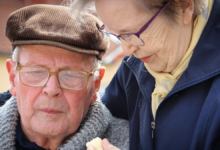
(189, 117)
(3, 97)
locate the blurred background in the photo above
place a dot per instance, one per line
(111, 60)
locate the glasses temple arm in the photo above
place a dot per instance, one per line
(152, 19)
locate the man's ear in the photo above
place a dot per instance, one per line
(186, 10)
(10, 65)
(97, 83)
(101, 71)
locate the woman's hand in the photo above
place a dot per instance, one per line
(106, 146)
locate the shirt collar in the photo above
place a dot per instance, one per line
(22, 141)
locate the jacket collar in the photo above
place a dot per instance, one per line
(205, 62)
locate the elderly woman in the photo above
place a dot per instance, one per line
(168, 85)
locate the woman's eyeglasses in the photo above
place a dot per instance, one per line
(132, 38)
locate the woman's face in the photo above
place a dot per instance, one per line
(166, 42)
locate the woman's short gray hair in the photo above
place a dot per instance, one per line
(170, 11)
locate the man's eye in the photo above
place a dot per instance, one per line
(32, 72)
(37, 72)
(69, 75)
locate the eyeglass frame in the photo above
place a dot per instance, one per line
(141, 30)
(19, 67)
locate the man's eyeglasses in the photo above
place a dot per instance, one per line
(132, 38)
(38, 76)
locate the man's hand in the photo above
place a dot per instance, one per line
(106, 146)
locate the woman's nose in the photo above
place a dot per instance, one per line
(128, 48)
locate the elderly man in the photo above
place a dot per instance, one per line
(54, 82)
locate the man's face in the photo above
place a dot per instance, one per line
(52, 111)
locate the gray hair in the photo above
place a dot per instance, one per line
(77, 6)
(96, 62)
(16, 54)
(170, 12)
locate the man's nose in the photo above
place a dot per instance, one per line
(128, 48)
(52, 88)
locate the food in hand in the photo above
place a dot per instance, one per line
(95, 143)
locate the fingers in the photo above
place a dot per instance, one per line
(90, 148)
(107, 146)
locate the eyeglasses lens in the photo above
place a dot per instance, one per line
(33, 76)
(68, 79)
(132, 39)
(74, 80)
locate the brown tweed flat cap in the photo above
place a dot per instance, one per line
(51, 25)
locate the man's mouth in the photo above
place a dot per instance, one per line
(51, 111)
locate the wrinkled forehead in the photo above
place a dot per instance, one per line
(53, 57)
(118, 18)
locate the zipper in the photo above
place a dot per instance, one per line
(153, 128)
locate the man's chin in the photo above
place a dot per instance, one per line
(50, 129)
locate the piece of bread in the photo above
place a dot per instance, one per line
(95, 143)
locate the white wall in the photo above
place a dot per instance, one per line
(4, 81)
